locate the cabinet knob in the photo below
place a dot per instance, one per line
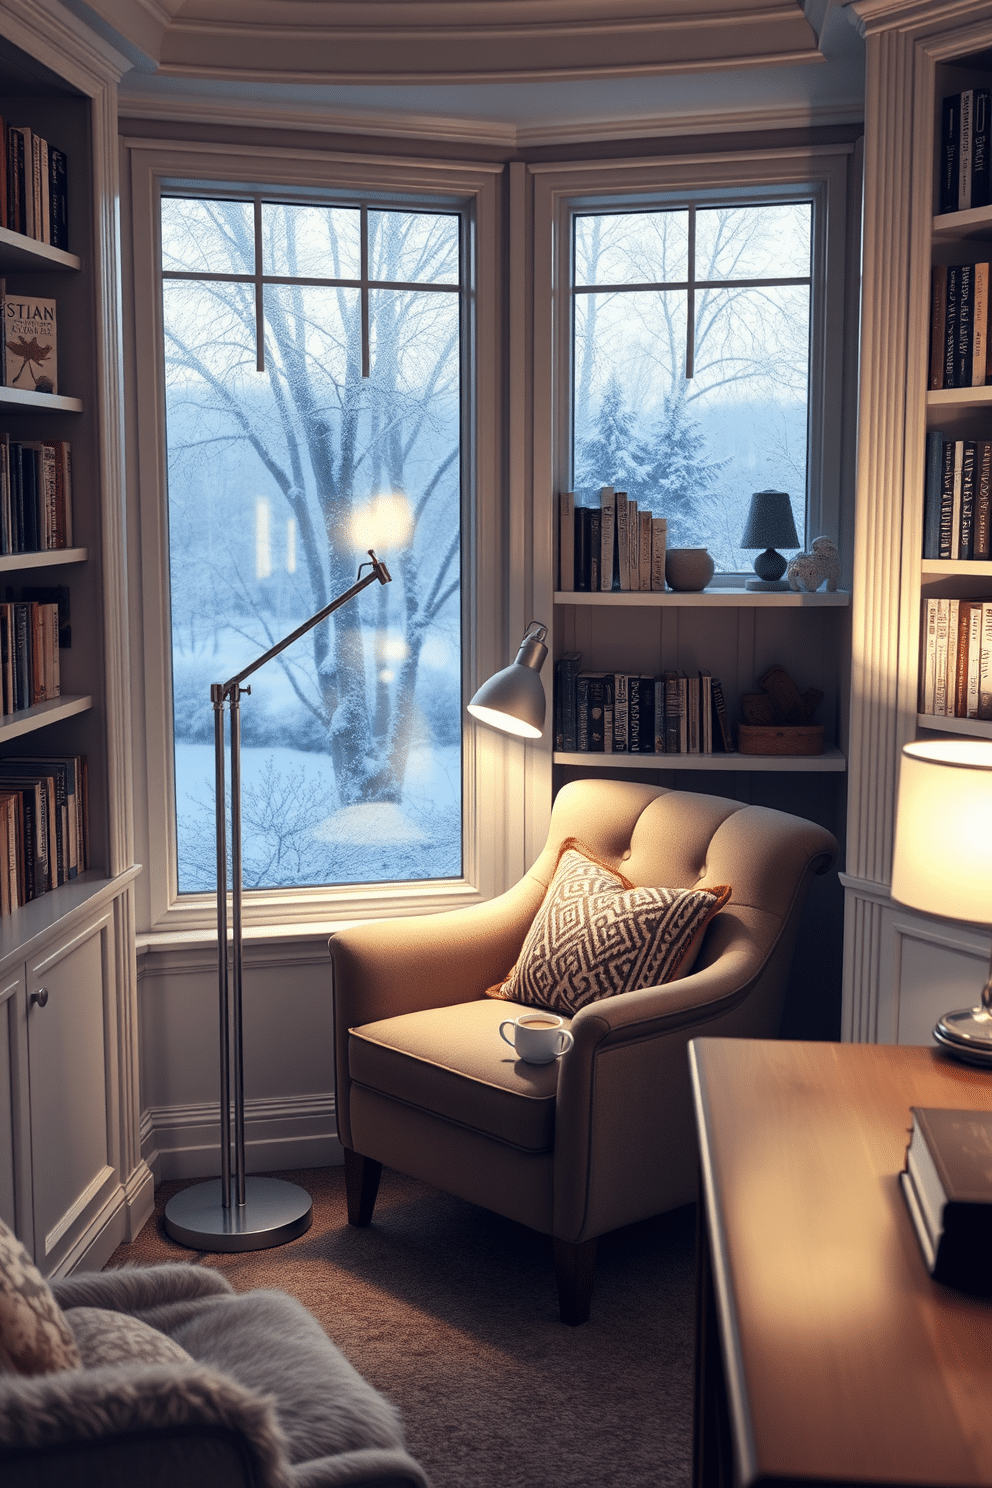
(40, 997)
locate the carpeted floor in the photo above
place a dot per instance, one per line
(452, 1313)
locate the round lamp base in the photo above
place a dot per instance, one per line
(274, 1212)
(967, 1035)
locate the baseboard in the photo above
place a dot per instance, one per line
(290, 1132)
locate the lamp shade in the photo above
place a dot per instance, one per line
(513, 699)
(942, 862)
(770, 522)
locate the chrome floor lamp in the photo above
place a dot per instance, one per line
(253, 1213)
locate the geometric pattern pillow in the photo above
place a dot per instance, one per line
(105, 1337)
(596, 934)
(34, 1334)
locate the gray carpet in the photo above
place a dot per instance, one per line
(452, 1313)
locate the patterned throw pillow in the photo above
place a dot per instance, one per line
(105, 1337)
(34, 1334)
(596, 935)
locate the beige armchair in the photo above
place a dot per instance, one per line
(604, 1136)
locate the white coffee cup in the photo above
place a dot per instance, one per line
(538, 1037)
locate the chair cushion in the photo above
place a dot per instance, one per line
(452, 1063)
(106, 1337)
(596, 934)
(34, 1334)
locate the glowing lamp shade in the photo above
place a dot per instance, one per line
(513, 699)
(942, 862)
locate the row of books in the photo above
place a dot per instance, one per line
(29, 653)
(35, 495)
(957, 498)
(959, 325)
(965, 151)
(33, 186)
(956, 658)
(28, 343)
(612, 546)
(44, 825)
(623, 713)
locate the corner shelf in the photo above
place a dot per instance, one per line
(49, 558)
(740, 599)
(27, 720)
(975, 728)
(16, 400)
(831, 761)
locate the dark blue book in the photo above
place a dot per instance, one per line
(967, 531)
(951, 323)
(963, 339)
(933, 485)
(950, 144)
(981, 148)
(947, 500)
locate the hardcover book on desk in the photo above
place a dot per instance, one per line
(947, 1184)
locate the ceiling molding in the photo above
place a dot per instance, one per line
(175, 108)
(916, 15)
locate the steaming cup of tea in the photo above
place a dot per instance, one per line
(538, 1037)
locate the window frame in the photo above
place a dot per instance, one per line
(489, 836)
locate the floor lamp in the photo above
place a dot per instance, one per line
(261, 1212)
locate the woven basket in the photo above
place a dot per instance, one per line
(797, 738)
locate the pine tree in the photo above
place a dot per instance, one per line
(615, 455)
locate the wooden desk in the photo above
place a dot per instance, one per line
(824, 1350)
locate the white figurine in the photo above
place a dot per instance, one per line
(808, 570)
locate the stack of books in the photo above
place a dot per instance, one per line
(624, 713)
(957, 498)
(611, 546)
(35, 495)
(965, 153)
(956, 658)
(33, 186)
(947, 1185)
(44, 826)
(959, 324)
(29, 653)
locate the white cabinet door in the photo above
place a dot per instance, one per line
(13, 1164)
(72, 1069)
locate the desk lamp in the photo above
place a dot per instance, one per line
(770, 525)
(942, 861)
(513, 699)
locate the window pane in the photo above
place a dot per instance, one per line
(278, 482)
(632, 248)
(207, 237)
(693, 451)
(312, 242)
(765, 242)
(413, 247)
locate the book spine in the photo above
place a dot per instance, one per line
(722, 716)
(659, 545)
(683, 692)
(983, 500)
(981, 148)
(980, 326)
(594, 549)
(956, 498)
(566, 540)
(965, 326)
(623, 540)
(985, 664)
(951, 323)
(967, 533)
(693, 743)
(5, 493)
(947, 499)
(58, 188)
(608, 704)
(607, 536)
(951, 665)
(634, 539)
(569, 726)
(659, 715)
(621, 712)
(634, 734)
(16, 179)
(928, 659)
(582, 552)
(974, 657)
(646, 520)
(948, 189)
(931, 494)
(671, 713)
(597, 710)
(706, 712)
(965, 121)
(582, 712)
(645, 692)
(938, 325)
(962, 630)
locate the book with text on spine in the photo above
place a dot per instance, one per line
(947, 1184)
(30, 344)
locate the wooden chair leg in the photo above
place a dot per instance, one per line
(361, 1181)
(575, 1267)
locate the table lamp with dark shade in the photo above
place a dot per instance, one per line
(942, 860)
(513, 699)
(770, 525)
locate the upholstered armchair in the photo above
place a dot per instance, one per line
(604, 1136)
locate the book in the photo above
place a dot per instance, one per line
(623, 541)
(566, 540)
(621, 712)
(965, 128)
(693, 736)
(594, 548)
(721, 717)
(964, 331)
(956, 498)
(947, 499)
(634, 727)
(928, 658)
(985, 664)
(974, 653)
(672, 745)
(567, 668)
(608, 707)
(645, 518)
(967, 516)
(596, 722)
(18, 151)
(951, 304)
(951, 659)
(659, 715)
(607, 536)
(947, 1185)
(634, 540)
(981, 148)
(960, 674)
(30, 343)
(581, 579)
(933, 485)
(938, 321)
(947, 193)
(58, 199)
(982, 544)
(980, 326)
(706, 712)
(659, 544)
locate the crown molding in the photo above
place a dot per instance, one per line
(873, 16)
(61, 42)
(313, 120)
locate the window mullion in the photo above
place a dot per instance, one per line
(259, 299)
(366, 337)
(690, 304)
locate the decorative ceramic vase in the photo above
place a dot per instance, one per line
(688, 568)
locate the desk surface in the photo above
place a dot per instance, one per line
(842, 1359)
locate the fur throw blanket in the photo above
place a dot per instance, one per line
(261, 1367)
